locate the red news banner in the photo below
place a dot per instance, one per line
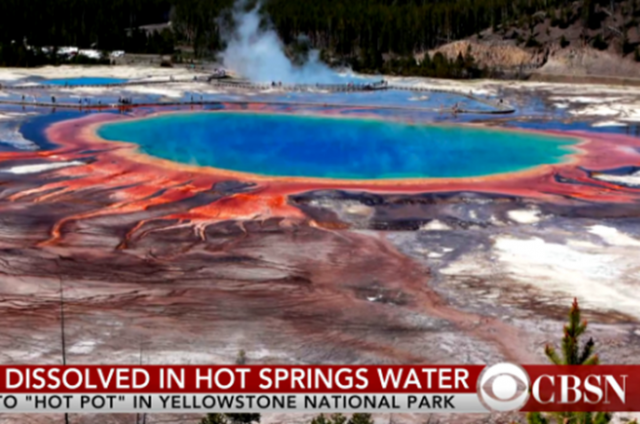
(327, 389)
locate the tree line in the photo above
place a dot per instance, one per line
(363, 33)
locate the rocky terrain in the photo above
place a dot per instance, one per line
(561, 42)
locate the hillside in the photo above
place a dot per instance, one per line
(583, 38)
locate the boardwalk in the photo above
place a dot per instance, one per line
(496, 108)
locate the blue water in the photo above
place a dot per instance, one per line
(325, 147)
(84, 81)
(34, 129)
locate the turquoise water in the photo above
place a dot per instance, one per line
(325, 147)
(84, 81)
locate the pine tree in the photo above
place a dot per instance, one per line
(214, 419)
(361, 419)
(243, 418)
(320, 419)
(341, 419)
(230, 419)
(572, 354)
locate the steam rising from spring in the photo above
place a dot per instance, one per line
(258, 54)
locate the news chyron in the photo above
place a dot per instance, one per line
(317, 388)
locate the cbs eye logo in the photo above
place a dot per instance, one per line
(504, 387)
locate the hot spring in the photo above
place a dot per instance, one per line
(289, 145)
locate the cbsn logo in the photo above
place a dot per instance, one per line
(507, 387)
